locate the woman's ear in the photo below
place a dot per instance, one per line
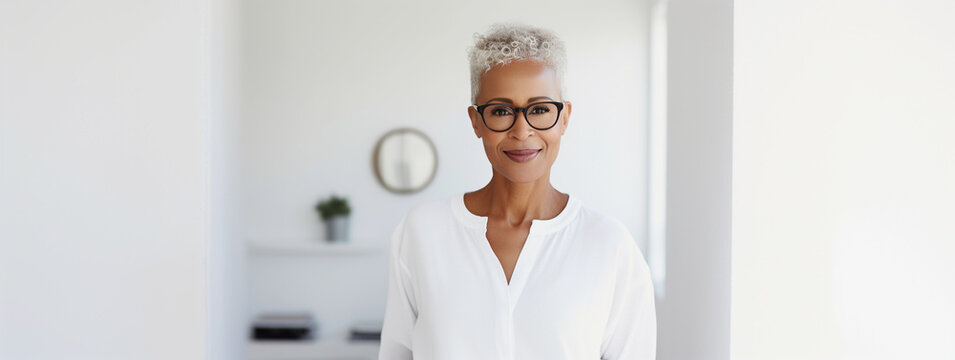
(475, 120)
(566, 116)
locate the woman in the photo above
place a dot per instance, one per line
(516, 270)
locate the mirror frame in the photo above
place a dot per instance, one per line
(374, 160)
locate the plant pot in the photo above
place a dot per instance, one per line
(336, 228)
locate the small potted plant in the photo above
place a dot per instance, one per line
(335, 212)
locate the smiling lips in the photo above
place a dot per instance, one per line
(523, 155)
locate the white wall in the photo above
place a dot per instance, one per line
(325, 79)
(693, 319)
(228, 287)
(109, 227)
(844, 180)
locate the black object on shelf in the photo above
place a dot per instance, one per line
(284, 326)
(365, 331)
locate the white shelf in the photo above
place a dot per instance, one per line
(289, 248)
(333, 348)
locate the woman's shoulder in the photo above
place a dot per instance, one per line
(615, 237)
(427, 213)
(422, 220)
(602, 225)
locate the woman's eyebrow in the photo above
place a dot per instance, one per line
(528, 100)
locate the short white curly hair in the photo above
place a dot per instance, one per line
(509, 41)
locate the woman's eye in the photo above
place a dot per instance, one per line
(540, 110)
(500, 112)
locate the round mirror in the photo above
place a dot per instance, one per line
(405, 160)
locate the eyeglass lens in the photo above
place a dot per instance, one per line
(540, 116)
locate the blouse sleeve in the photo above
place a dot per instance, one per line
(400, 310)
(631, 332)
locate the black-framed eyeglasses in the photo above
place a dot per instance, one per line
(501, 117)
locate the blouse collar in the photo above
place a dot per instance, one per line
(538, 226)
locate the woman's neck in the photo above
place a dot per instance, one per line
(517, 203)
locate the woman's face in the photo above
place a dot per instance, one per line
(518, 84)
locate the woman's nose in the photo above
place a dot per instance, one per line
(522, 128)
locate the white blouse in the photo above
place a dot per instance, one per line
(580, 289)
